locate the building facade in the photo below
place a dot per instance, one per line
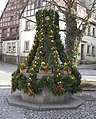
(87, 48)
(9, 30)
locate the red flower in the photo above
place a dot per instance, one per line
(68, 71)
(46, 70)
(21, 69)
(59, 86)
(28, 84)
(29, 91)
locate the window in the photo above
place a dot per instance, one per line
(26, 46)
(17, 29)
(93, 50)
(88, 49)
(9, 47)
(38, 3)
(32, 12)
(94, 32)
(89, 28)
(12, 30)
(28, 27)
(28, 13)
(28, 7)
(4, 32)
(14, 47)
(11, 18)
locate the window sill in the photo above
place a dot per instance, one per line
(92, 36)
(93, 55)
(27, 30)
(10, 52)
(88, 55)
(25, 51)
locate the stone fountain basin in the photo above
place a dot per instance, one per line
(46, 97)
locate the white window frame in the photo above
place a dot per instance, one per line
(28, 25)
(93, 32)
(89, 30)
(26, 48)
(11, 44)
(9, 49)
(88, 49)
(93, 50)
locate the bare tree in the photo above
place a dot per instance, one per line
(73, 33)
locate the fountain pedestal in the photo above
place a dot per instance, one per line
(46, 97)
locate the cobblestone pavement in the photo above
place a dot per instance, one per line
(86, 111)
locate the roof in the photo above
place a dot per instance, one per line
(4, 10)
(6, 7)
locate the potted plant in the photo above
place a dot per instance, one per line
(44, 68)
(23, 67)
(66, 69)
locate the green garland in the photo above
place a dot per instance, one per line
(60, 83)
(34, 87)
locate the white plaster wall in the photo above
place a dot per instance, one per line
(5, 48)
(26, 36)
(81, 11)
(92, 42)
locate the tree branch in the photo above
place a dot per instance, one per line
(61, 8)
(29, 20)
(88, 16)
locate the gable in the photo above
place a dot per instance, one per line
(32, 7)
(12, 11)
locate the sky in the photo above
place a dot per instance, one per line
(2, 5)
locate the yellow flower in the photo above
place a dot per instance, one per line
(65, 64)
(28, 84)
(43, 63)
(72, 77)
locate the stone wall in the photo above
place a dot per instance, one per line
(12, 59)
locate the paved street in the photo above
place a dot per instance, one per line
(5, 73)
(86, 111)
(87, 72)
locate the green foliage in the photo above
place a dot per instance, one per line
(65, 84)
(71, 37)
(47, 26)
